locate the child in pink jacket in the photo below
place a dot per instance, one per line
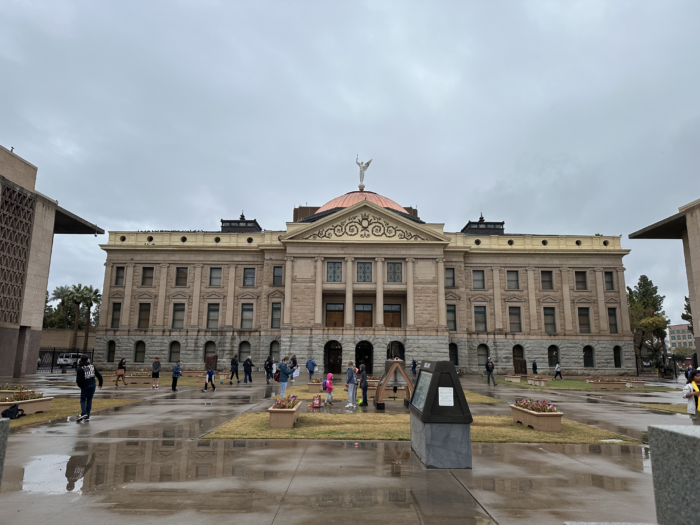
(329, 390)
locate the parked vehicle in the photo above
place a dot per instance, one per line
(68, 360)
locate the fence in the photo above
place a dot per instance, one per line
(53, 359)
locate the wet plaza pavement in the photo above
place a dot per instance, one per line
(146, 461)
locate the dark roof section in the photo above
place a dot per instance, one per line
(241, 225)
(670, 228)
(67, 222)
(481, 227)
(317, 216)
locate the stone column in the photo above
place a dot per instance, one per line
(442, 306)
(691, 252)
(318, 312)
(497, 307)
(128, 287)
(160, 312)
(288, 291)
(603, 325)
(194, 320)
(624, 312)
(379, 314)
(532, 300)
(231, 295)
(349, 306)
(410, 305)
(106, 313)
(566, 294)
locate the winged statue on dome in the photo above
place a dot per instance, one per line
(363, 167)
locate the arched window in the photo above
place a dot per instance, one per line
(275, 351)
(617, 356)
(140, 352)
(588, 357)
(518, 352)
(209, 349)
(482, 354)
(454, 354)
(243, 350)
(553, 355)
(111, 350)
(174, 352)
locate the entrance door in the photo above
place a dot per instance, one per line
(454, 354)
(333, 357)
(364, 355)
(275, 351)
(363, 315)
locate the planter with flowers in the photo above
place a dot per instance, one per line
(11, 389)
(537, 380)
(510, 378)
(285, 412)
(315, 386)
(538, 415)
(29, 401)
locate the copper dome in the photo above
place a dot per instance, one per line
(347, 200)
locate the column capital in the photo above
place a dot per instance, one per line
(288, 258)
(319, 258)
(410, 259)
(530, 268)
(130, 264)
(440, 259)
(164, 265)
(621, 270)
(598, 270)
(379, 259)
(198, 265)
(349, 259)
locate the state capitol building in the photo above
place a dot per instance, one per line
(362, 278)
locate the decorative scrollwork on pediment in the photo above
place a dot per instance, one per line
(364, 226)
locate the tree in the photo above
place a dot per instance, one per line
(687, 315)
(77, 297)
(91, 296)
(61, 293)
(648, 320)
(646, 295)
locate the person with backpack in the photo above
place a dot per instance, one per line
(155, 373)
(121, 372)
(489, 372)
(209, 378)
(285, 373)
(234, 370)
(691, 391)
(85, 379)
(177, 372)
(557, 372)
(269, 362)
(363, 385)
(328, 387)
(311, 366)
(351, 381)
(248, 370)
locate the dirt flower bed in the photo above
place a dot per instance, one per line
(13, 387)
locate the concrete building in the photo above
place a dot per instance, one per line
(679, 335)
(362, 278)
(28, 222)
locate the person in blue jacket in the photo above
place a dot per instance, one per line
(311, 366)
(176, 373)
(285, 374)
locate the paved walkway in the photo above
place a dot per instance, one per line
(145, 461)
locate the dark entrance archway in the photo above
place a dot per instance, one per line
(333, 357)
(454, 354)
(364, 355)
(395, 349)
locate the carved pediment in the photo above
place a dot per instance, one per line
(214, 295)
(514, 299)
(276, 295)
(179, 295)
(480, 299)
(583, 300)
(145, 295)
(451, 296)
(248, 295)
(117, 293)
(549, 300)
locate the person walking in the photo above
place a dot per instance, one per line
(534, 366)
(489, 372)
(85, 379)
(177, 372)
(248, 370)
(269, 363)
(293, 361)
(691, 391)
(155, 373)
(234, 370)
(351, 381)
(329, 389)
(311, 367)
(121, 372)
(414, 364)
(363, 385)
(285, 374)
(209, 378)
(557, 372)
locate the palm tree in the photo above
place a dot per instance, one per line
(91, 297)
(61, 293)
(76, 296)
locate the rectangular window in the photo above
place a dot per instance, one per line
(673, 338)
(334, 315)
(116, 314)
(247, 316)
(449, 277)
(178, 316)
(392, 315)
(364, 272)
(363, 315)
(514, 317)
(478, 281)
(513, 281)
(581, 282)
(584, 321)
(547, 280)
(144, 315)
(550, 321)
(248, 276)
(452, 317)
(334, 271)
(612, 320)
(277, 275)
(147, 276)
(214, 276)
(394, 272)
(119, 276)
(212, 316)
(181, 276)
(276, 315)
(480, 318)
(609, 281)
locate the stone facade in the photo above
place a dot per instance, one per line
(428, 280)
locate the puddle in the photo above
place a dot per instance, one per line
(55, 474)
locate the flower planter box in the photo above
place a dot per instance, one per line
(540, 421)
(634, 384)
(610, 385)
(4, 393)
(284, 417)
(31, 406)
(315, 388)
(538, 382)
(512, 379)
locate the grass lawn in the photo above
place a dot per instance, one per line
(570, 384)
(679, 409)
(145, 382)
(62, 408)
(396, 427)
(302, 392)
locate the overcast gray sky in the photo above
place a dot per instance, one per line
(556, 117)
